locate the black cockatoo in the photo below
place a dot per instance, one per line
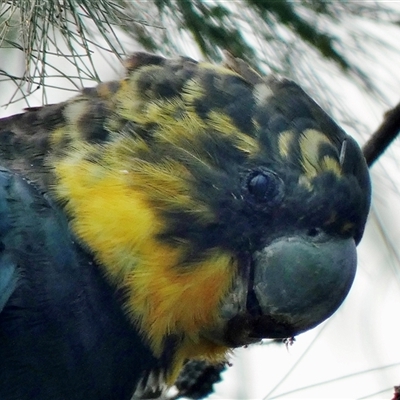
(173, 215)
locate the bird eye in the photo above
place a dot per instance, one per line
(265, 186)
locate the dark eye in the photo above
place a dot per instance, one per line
(265, 186)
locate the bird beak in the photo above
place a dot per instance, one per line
(294, 284)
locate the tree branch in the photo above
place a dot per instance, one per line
(383, 136)
(396, 393)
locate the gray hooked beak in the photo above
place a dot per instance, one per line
(295, 283)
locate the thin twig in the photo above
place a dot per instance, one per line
(383, 136)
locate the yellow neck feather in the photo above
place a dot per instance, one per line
(111, 213)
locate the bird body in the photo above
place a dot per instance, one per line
(178, 213)
(63, 334)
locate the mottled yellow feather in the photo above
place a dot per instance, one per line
(284, 141)
(223, 124)
(312, 163)
(121, 225)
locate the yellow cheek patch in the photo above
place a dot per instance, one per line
(121, 226)
(173, 299)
